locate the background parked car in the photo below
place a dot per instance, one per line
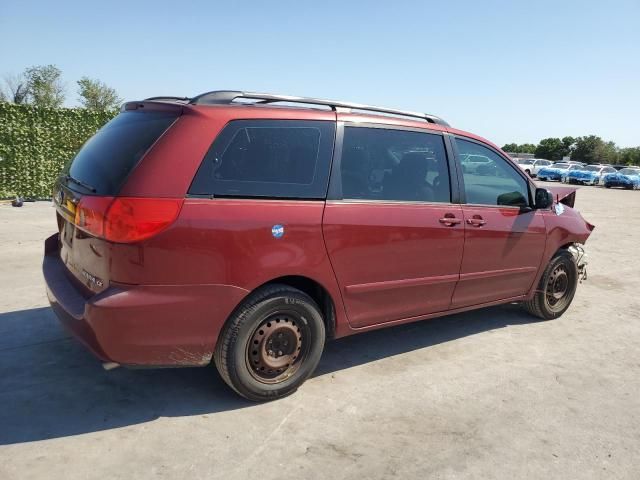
(532, 165)
(628, 177)
(477, 164)
(587, 174)
(556, 171)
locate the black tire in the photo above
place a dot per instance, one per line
(556, 289)
(606, 185)
(246, 356)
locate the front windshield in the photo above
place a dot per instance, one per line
(630, 171)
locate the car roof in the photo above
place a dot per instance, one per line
(298, 108)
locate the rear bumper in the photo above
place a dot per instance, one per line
(147, 325)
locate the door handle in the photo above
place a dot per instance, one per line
(450, 221)
(476, 221)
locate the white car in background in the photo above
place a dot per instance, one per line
(532, 165)
(477, 164)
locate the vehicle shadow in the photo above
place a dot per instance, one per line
(51, 387)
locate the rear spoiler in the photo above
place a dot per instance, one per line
(565, 195)
(152, 105)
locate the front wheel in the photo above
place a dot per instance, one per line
(556, 289)
(271, 344)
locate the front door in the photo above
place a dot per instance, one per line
(394, 238)
(504, 239)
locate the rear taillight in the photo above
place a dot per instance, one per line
(126, 220)
(134, 219)
(90, 214)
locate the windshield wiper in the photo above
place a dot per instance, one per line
(68, 178)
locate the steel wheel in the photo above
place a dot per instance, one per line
(558, 288)
(277, 348)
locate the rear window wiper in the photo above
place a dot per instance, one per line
(68, 178)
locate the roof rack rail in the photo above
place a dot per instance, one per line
(225, 97)
(169, 98)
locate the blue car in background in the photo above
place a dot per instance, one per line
(627, 178)
(556, 171)
(588, 174)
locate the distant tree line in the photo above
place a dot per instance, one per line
(589, 149)
(42, 86)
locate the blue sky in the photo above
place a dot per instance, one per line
(510, 71)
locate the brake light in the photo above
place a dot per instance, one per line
(134, 219)
(90, 214)
(126, 219)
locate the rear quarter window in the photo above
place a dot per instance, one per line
(268, 158)
(107, 158)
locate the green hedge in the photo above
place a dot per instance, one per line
(35, 143)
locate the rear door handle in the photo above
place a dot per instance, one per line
(476, 221)
(450, 221)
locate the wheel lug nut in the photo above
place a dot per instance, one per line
(279, 352)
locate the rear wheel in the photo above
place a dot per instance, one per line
(271, 344)
(556, 289)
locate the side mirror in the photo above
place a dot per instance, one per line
(544, 198)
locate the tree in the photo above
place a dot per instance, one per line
(527, 148)
(592, 149)
(548, 148)
(95, 95)
(515, 148)
(44, 86)
(629, 156)
(554, 148)
(16, 89)
(568, 143)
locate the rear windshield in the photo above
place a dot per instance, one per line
(105, 161)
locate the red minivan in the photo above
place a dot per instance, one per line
(248, 228)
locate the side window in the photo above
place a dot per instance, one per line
(268, 158)
(489, 179)
(381, 164)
